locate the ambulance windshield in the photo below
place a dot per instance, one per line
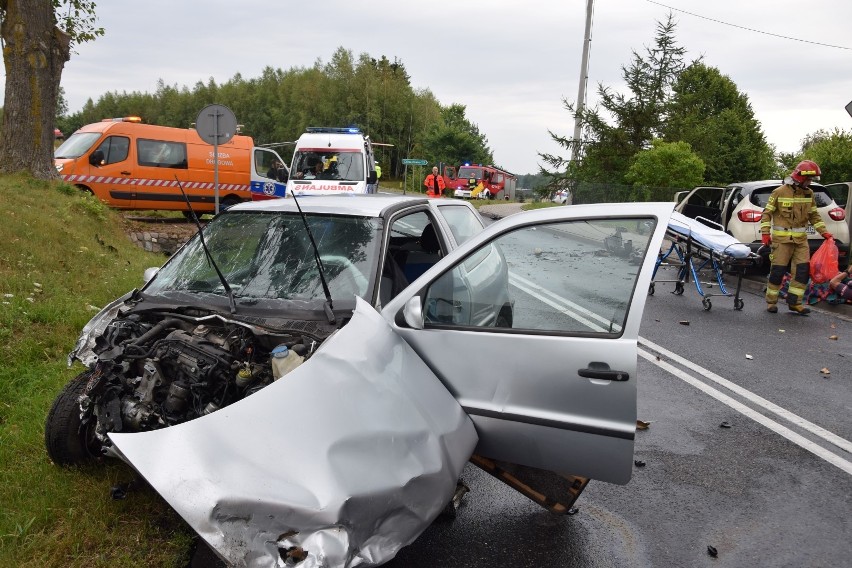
(339, 165)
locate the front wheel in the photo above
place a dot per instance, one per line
(67, 439)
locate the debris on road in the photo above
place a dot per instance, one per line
(642, 425)
(833, 337)
(825, 371)
(725, 424)
(711, 550)
(683, 322)
(639, 463)
(749, 357)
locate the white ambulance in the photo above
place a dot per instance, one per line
(333, 160)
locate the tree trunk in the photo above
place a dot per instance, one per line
(34, 54)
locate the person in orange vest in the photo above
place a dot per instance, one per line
(434, 184)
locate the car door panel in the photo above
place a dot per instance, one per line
(544, 392)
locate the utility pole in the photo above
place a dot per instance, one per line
(581, 91)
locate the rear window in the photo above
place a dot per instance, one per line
(761, 196)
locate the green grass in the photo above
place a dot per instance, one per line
(62, 256)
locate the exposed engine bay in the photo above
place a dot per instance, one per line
(155, 370)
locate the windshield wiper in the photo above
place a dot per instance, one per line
(209, 256)
(329, 305)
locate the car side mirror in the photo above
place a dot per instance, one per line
(96, 158)
(149, 273)
(412, 313)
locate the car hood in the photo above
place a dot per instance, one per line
(350, 456)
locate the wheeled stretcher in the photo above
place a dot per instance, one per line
(697, 248)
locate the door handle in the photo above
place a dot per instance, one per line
(124, 172)
(597, 370)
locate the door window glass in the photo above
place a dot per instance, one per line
(463, 222)
(574, 277)
(161, 154)
(115, 149)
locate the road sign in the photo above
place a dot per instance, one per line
(216, 124)
(414, 162)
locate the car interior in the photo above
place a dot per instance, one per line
(408, 257)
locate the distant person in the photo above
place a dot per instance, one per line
(434, 184)
(314, 173)
(783, 226)
(378, 173)
(277, 171)
(842, 284)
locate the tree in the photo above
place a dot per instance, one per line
(708, 111)
(629, 122)
(456, 140)
(832, 151)
(38, 36)
(666, 164)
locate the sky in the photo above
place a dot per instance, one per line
(510, 63)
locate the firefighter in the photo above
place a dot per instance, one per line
(434, 184)
(784, 224)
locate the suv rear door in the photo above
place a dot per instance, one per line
(702, 203)
(557, 389)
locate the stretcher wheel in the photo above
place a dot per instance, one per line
(651, 289)
(738, 304)
(678, 289)
(707, 304)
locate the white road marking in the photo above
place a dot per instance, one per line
(829, 437)
(779, 429)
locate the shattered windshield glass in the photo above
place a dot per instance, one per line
(268, 256)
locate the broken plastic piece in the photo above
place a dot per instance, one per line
(749, 357)
(573, 511)
(639, 463)
(642, 425)
(711, 550)
(683, 322)
(725, 424)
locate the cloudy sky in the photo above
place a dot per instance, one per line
(510, 62)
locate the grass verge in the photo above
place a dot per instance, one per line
(62, 256)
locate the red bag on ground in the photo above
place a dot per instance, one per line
(824, 262)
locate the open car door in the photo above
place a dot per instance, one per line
(549, 378)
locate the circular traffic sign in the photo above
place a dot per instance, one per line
(216, 124)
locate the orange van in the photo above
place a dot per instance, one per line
(130, 165)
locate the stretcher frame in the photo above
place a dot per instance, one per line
(691, 257)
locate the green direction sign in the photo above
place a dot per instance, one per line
(413, 162)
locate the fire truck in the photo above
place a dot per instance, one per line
(478, 181)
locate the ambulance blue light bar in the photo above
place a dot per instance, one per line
(332, 130)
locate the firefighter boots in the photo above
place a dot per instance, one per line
(772, 308)
(799, 309)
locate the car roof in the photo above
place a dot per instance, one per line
(749, 186)
(359, 205)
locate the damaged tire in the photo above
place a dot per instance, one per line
(67, 439)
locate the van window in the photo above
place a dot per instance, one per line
(161, 154)
(342, 165)
(115, 149)
(77, 144)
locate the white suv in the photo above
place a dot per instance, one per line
(738, 207)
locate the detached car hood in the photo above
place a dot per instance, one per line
(350, 456)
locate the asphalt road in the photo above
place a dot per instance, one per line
(760, 497)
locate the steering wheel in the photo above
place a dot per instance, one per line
(358, 280)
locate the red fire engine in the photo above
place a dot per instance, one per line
(477, 181)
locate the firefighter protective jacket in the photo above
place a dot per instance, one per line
(788, 213)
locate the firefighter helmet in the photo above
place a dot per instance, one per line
(806, 168)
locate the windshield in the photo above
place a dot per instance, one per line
(268, 256)
(77, 145)
(470, 173)
(334, 164)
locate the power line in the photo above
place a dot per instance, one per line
(750, 29)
